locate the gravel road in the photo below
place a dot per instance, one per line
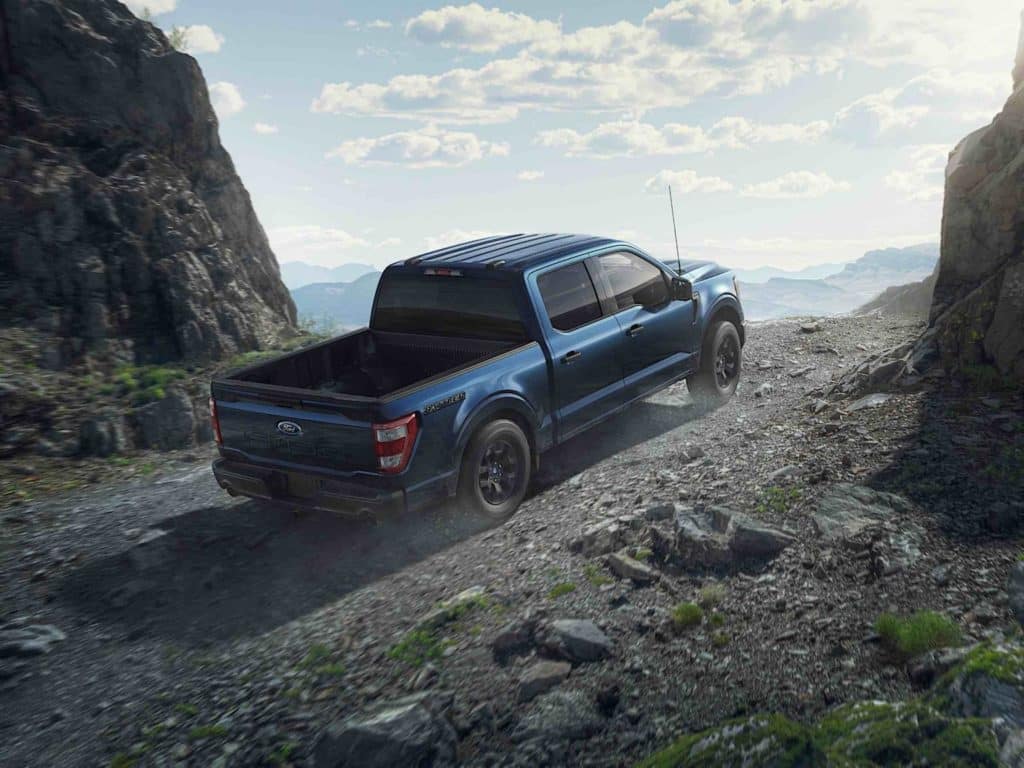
(203, 630)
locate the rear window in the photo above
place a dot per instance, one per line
(448, 305)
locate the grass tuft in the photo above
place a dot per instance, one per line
(917, 634)
(711, 595)
(559, 590)
(687, 615)
(418, 647)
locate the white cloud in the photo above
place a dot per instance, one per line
(428, 147)
(379, 24)
(312, 243)
(154, 7)
(389, 242)
(923, 178)
(226, 99)
(681, 51)
(454, 237)
(264, 129)
(352, 24)
(937, 97)
(796, 184)
(475, 28)
(200, 38)
(530, 175)
(685, 182)
(631, 138)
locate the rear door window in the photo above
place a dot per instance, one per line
(569, 296)
(633, 281)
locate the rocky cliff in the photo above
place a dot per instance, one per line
(978, 306)
(125, 233)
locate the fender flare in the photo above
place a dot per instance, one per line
(494, 404)
(725, 301)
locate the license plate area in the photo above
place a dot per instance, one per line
(303, 486)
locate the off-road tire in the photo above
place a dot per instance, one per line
(502, 444)
(721, 361)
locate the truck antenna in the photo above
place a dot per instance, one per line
(672, 207)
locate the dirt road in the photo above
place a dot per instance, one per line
(201, 628)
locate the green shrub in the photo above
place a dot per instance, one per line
(711, 595)
(418, 647)
(596, 576)
(778, 500)
(687, 615)
(917, 634)
(561, 589)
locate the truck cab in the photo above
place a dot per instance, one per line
(478, 358)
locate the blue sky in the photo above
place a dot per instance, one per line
(793, 132)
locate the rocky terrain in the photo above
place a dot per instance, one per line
(671, 571)
(131, 235)
(131, 251)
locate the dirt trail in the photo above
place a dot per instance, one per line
(201, 628)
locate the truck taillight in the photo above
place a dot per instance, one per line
(215, 422)
(393, 442)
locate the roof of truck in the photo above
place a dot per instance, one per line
(515, 252)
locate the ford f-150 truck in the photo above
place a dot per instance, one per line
(478, 358)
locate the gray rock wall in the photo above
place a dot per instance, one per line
(125, 233)
(978, 305)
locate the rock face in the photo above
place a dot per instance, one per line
(130, 236)
(978, 305)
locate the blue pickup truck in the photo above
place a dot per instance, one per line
(478, 358)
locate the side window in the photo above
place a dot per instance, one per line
(569, 297)
(634, 281)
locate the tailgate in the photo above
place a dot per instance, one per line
(298, 433)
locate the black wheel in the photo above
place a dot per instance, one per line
(721, 360)
(495, 470)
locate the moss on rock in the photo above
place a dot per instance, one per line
(909, 733)
(762, 740)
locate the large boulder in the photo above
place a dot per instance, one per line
(410, 731)
(718, 538)
(127, 233)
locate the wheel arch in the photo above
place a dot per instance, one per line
(726, 308)
(502, 406)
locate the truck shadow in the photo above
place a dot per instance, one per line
(241, 569)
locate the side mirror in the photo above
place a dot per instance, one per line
(682, 290)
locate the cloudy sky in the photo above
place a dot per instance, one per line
(792, 131)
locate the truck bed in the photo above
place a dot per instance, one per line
(371, 364)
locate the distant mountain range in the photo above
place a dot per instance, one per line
(335, 305)
(296, 274)
(856, 284)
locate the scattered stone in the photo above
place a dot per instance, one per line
(603, 538)
(868, 401)
(626, 567)
(810, 328)
(785, 473)
(934, 664)
(452, 608)
(29, 640)
(766, 390)
(411, 731)
(514, 638)
(847, 510)
(169, 423)
(558, 716)
(818, 405)
(801, 372)
(940, 575)
(1015, 590)
(541, 677)
(660, 512)
(577, 640)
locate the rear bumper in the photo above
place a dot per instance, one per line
(305, 490)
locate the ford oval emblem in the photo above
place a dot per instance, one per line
(289, 428)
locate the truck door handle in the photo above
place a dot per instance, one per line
(634, 330)
(572, 357)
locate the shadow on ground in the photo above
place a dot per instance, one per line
(241, 569)
(965, 462)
